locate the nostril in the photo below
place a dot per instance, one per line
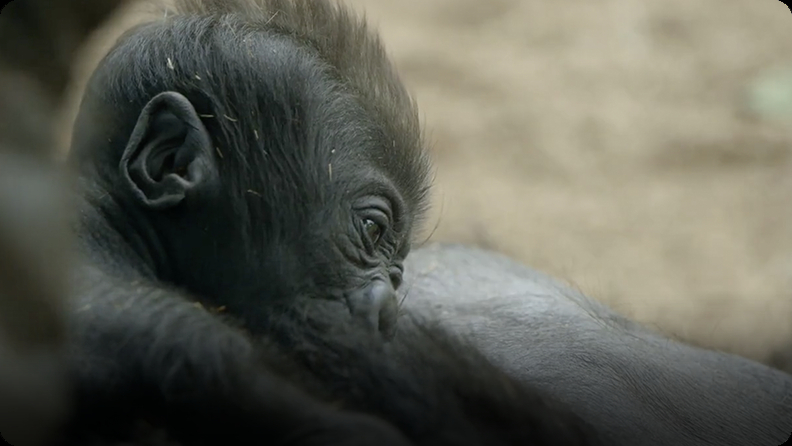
(396, 278)
(375, 306)
(388, 317)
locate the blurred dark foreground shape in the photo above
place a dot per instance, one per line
(38, 40)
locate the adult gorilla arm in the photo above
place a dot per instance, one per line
(38, 39)
(638, 387)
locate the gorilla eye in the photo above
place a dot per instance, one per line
(373, 230)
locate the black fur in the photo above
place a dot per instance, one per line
(261, 159)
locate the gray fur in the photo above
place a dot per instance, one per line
(636, 386)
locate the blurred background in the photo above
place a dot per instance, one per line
(641, 151)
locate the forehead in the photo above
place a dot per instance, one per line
(293, 119)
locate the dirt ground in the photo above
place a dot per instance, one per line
(608, 142)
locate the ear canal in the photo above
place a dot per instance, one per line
(168, 154)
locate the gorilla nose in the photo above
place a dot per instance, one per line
(376, 307)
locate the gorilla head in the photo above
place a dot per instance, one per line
(243, 163)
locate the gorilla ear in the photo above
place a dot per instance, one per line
(169, 153)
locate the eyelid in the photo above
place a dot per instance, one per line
(378, 217)
(377, 209)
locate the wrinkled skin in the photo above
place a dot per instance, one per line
(637, 387)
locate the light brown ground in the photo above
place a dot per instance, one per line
(606, 142)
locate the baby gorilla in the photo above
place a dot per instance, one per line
(263, 158)
(250, 166)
